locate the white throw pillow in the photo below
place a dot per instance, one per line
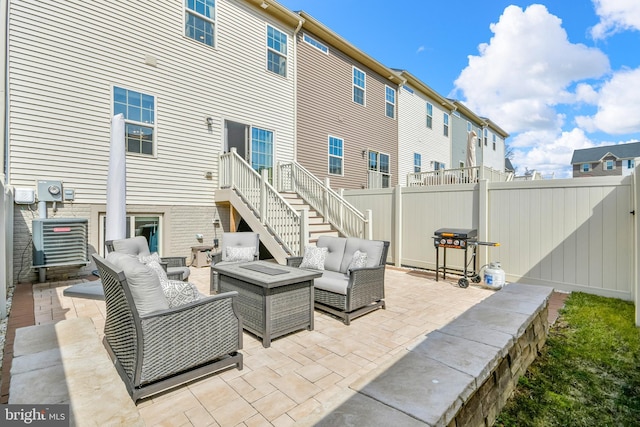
(314, 257)
(146, 259)
(359, 260)
(179, 293)
(240, 254)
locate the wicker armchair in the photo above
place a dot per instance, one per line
(176, 267)
(170, 347)
(233, 240)
(364, 286)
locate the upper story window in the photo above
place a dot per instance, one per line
(359, 86)
(276, 51)
(139, 112)
(494, 142)
(609, 165)
(429, 115)
(390, 102)
(469, 128)
(585, 167)
(445, 126)
(200, 16)
(315, 43)
(408, 89)
(631, 163)
(439, 166)
(485, 136)
(336, 155)
(417, 162)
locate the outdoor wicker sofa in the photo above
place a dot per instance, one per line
(345, 290)
(156, 349)
(245, 246)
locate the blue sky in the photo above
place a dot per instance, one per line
(557, 75)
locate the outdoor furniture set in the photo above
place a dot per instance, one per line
(161, 333)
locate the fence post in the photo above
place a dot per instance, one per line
(325, 199)
(264, 177)
(341, 213)
(304, 230)
(232, 168)
(483, 220)
(368, 214)
(635, 191)
(397, 232)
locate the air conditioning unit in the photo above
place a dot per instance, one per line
(60, 241)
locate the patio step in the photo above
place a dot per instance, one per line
(65, 363)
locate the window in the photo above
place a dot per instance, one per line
(438, 166)
(585, 167)
(379, 164)
(276, 51)
(199, 20)
(461, 164)
(359, 78)
(445, 127)
(262, 151)
(609, 165)
(417, 162)
(390, 101)
(335, 155)
(494, 141)
(408, 89)
(139, 119)
(148, 225)
(631, 164)
(429, 115)
(469, 128)
(315, 43)
(485, 134)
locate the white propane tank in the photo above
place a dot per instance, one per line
(494, 276)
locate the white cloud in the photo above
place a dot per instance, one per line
(547, 152)
(525, 70)
(420, 49)
(615, 16)
(618, 101)
(586, 93)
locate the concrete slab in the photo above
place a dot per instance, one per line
(497, 319)
(66, 363)
(520, 298)
(471, 357)
(419, 386)
(480, 333)
(360, 410)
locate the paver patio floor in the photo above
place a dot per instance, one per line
(302, 374)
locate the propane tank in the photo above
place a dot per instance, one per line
(494, 276)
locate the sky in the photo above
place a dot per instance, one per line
(557, 75)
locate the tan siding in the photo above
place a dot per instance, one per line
(65, 57)
(325, 107)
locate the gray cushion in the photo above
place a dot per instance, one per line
(314, 258)
(335, 251)
(183, 270)
(133, 246)
(332, 281)
(373, 248)
(143, 282)
(359, 260)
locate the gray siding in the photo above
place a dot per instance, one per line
(325, 107)
(598, 168)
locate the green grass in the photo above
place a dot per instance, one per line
(588, 373)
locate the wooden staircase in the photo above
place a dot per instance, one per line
(317, 224)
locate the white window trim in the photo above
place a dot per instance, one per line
(306, 36)
(582, 167)
(426, 107)
(266, 45)
(213, 21)
(606, 165)
(154, 155)
(445, 125)
(329, 155)
(386, 101)
(414, 162)
(353, 85)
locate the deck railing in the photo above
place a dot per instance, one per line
(326, 201)
(457, 176)
(285, 223)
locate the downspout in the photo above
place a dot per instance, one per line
(4, 108)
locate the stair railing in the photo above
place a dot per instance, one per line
(287, 226)
(331, 205)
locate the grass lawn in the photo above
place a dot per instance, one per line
(588, 373)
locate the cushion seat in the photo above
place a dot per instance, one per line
(332, 281)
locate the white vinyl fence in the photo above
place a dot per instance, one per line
(572, 234)
(6, 242)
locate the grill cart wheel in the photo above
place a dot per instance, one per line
(463, 283)
(476, 279)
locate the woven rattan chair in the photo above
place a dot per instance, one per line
(175, 266)
(244, 239)
(167, 348)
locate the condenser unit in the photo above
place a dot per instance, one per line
(60, 241)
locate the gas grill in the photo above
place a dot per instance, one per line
(459, 238)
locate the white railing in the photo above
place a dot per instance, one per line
(457, 176)
(329, 204)
(286, 225)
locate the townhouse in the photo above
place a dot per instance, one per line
(608, 160)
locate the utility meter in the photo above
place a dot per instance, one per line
(49, 191)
